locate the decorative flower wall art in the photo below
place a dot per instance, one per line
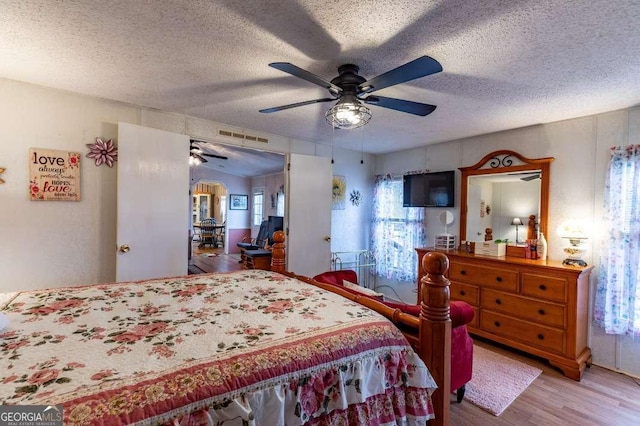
(355, 197)
(1, 171)
(104, 152)
(338, 193)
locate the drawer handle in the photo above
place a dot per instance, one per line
(541, 311)
(541, 336)
(462, 293)
(498, 302)
(542, 287)
(463, 272)
(497, 323)
(499, 279)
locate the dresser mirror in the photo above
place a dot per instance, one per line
(501, 187)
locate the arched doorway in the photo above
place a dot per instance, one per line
(208, 202)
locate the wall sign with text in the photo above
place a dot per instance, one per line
(54, 175)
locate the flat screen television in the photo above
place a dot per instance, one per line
(429, 189)
(274, 224)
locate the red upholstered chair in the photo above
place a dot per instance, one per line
(461, 314)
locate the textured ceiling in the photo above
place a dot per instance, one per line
(507, 64)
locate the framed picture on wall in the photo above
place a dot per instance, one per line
(238, 202)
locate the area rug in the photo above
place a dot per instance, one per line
(497, 380)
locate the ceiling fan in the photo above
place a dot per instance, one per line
(197, 155)
(350, 89)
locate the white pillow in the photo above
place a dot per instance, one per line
(4, 321)
(360, 289)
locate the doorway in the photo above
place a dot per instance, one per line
(208, 204)
(236, 170)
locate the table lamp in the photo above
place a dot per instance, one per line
(517, 222)
(574, 232)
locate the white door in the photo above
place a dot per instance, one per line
(309, 214)
(153, 192)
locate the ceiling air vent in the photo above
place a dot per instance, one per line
(242, 136)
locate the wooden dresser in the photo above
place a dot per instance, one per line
(539, 307)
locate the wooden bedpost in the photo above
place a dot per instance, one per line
(278, 253)
(435, 331)
(531, 228)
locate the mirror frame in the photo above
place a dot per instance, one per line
(500, 162)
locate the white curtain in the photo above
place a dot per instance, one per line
(617, 303)
(395, 231)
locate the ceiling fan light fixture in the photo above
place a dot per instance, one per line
(196, 159)
(348, 114)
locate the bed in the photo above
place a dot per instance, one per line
(249, 347)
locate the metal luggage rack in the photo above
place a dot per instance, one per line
(361, 261)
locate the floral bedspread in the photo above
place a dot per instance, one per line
(252, 347)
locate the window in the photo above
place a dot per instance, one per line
(258, 207)
(617, 303)
(395, 231)
(223, 209)
(280, 204)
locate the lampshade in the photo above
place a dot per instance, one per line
(516, 221)
(573, 229)
(348, 113)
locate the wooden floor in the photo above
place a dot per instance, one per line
(603, 397)
(210, 259)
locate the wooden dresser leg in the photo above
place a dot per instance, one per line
(574, 369)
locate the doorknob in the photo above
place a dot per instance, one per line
(124, 248)
(327, 238)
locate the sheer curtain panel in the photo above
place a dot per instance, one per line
(617, 303)
(395, 231)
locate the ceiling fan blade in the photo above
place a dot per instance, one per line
(417, 68)
(222, 157)
(528, 175)
(306, 75)
(199, 158)
(528, 178)
(297, 104)
(196, 151)
(411, 107)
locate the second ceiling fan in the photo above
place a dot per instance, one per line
(198, 153)
(351, 90)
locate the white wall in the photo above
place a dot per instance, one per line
(578, 173)
(513, 199)
(345, 234)
(50, 244)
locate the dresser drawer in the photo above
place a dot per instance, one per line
(544, 287)
(503, 279)
(464, 292)
(523, 331)
(525, 308)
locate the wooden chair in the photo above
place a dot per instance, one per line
(207, 232)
